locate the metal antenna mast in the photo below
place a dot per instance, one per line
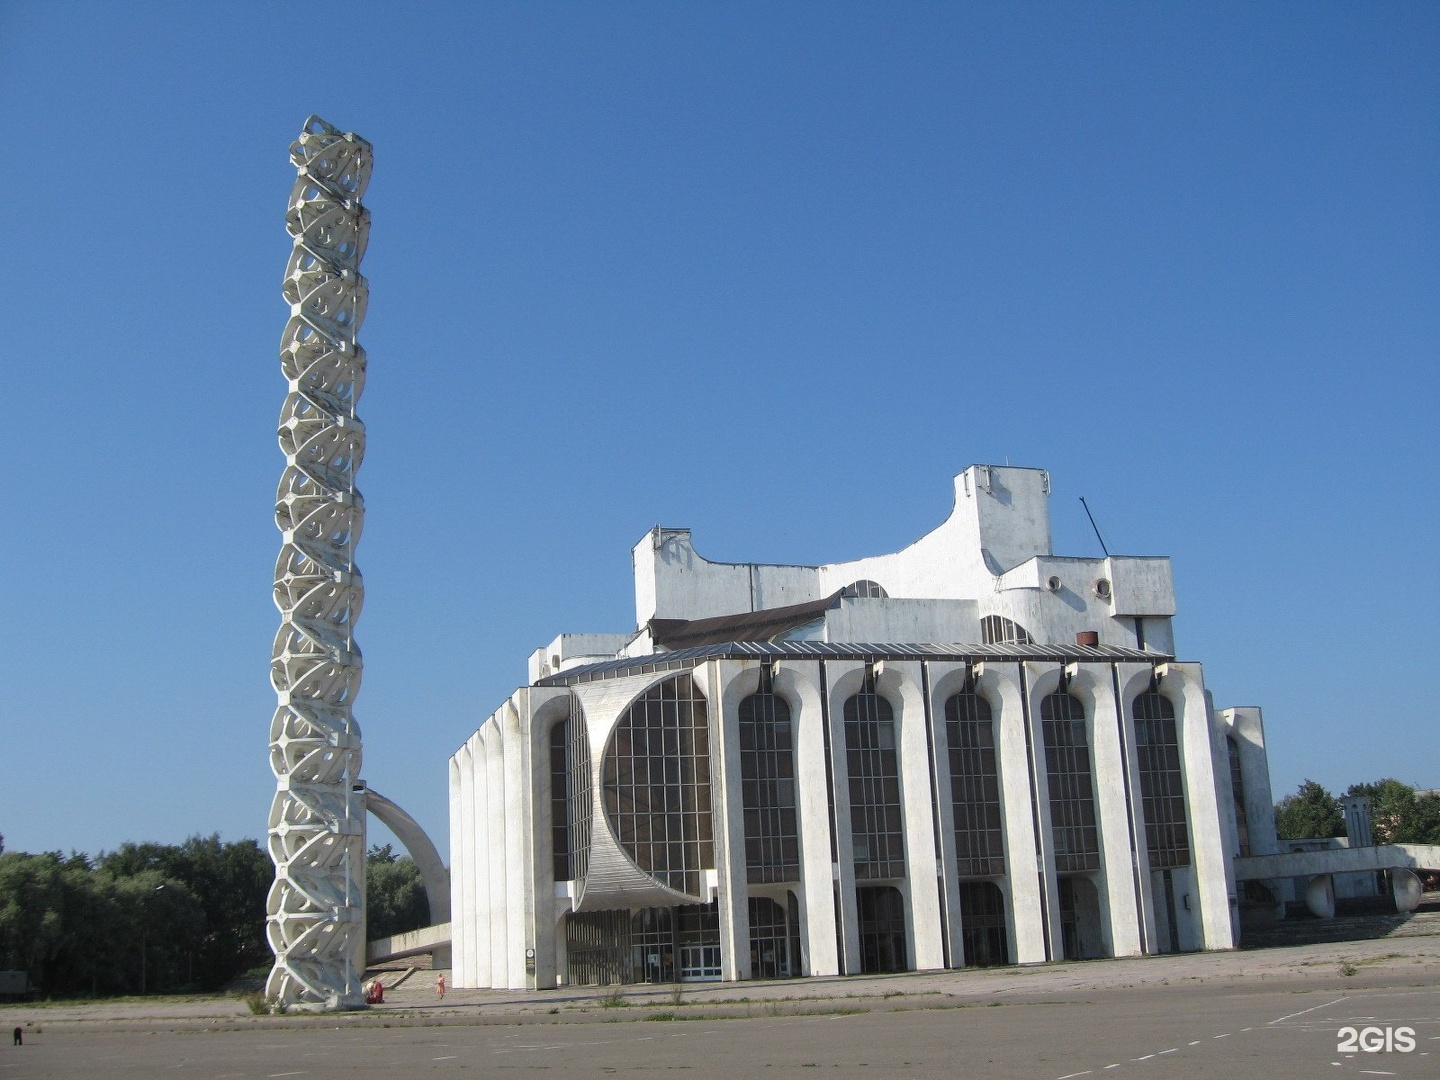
(1091, 516)
(316, 907)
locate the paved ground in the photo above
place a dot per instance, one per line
(1272, 1013)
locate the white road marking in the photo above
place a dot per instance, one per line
(1115, 1066)
(1225, 1036)
(1172, 1050)
(1195, 1043)
(447, 1057)
(1312, 1008)
(1147, 1057)
(1067, 1076)
(300, 1072)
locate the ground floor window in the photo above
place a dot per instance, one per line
(651, 945)
(881, 909)
(984, 936)
(1081, 936)
(775, 938)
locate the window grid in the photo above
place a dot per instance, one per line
(984, 935)
(1162, 788)
(578, 806)
(974, 785)
(881, 911)
(657, 785)
(998, 630)
(1237, 793)
(876, 823)
(767, 783)
(1071, 787)
(570, 795)
(560, 799)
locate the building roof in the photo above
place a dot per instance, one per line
(745, 626)
(681, 659)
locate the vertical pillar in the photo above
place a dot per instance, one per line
(316, 907)
(901, 683)
(1119, 907)
(724, 683)
(1020, 792)
(845, 678)
(799, 684)
(495, 826)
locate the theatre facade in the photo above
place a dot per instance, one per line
(969, 752)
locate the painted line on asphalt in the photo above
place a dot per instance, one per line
(1302, 1012)
(1068, 1076)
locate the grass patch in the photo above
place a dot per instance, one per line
(614, 1000)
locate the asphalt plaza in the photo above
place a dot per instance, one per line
(1274, 1013)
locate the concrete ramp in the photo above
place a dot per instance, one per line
(431, 939)
(1338, 861)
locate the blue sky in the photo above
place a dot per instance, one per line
(771, 271)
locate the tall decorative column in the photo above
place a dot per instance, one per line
(316, 907)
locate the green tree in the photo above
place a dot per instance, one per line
(1391, 802)
(396, 902)
(1310, 812)
(230, 881)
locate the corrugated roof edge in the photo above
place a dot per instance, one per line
(825, 650)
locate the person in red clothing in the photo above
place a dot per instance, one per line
(440, 985)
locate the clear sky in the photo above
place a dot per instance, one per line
(774, 272)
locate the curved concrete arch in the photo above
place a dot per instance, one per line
(408, 831)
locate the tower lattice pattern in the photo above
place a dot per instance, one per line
(316, 921)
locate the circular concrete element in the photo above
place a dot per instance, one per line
(1320, 896)
(1407, 889)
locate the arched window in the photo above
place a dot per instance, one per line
(774, 938)
(865, 589)
(1162, 788)
(656, 782)
(767, 783)
(876, 827)
(974, 785)
(983, 933)
(1071, 786)
(1237, 793)
(998, 630)
(881, 911)
(570, 795)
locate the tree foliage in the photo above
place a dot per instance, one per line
(1399, 814)
(1310, 812)
(395, 901)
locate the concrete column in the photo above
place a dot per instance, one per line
(520, 841)
(494, 739)
(480, 859)
(1203, 759)
(1133, 680)
(724, 683)
(1042, 680)
(462, 970)
(845, 679)
(900, 683)
(799, 684)
(946, 679)
(1119, 911)
(481, 864)
(999, 684)
(546, 708)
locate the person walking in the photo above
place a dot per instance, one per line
(19, 1035)
(440, 985)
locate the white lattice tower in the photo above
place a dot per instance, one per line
(316, 921)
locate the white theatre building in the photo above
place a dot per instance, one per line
(969, 752)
